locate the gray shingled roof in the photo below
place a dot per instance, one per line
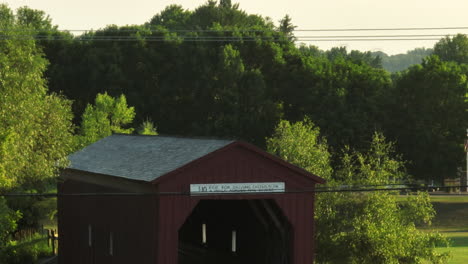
(143, 158)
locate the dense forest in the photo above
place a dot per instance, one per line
(217, 71)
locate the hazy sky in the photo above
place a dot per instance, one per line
(311, 14)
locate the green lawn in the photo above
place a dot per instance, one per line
(458, 248)
(452, 221)
(451, 216)
(449, 198)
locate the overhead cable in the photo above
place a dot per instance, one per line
(331, 190)
(209, 39)
(240, 30)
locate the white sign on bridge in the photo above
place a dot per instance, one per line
(251, 187)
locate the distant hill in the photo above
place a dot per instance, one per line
(401, 62)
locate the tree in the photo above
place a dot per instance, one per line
(453, 49)
(8, 220)
(173, 17)
(241, 108)
(35, 126)
(345, 99)
(427, 117)
(34, 19)
(355, 56)
(362, 227)
(229, 71)
(108, 115)
(300, 143)
(374, 227)
(286, 27)
(360, 58)
(225, 3)
(149, 72)
(400, 62)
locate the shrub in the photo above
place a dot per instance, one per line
(27, 251)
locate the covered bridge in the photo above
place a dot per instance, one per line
(171, 200)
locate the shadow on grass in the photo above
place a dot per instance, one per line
(458, 241)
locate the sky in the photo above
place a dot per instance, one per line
(311, 14)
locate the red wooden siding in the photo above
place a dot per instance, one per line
(131, 219)
(145, 228)
(236, 165)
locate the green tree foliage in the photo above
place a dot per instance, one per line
(173, 17)
(192, 87)
(377, 166)
(225, 3)
(34, 19)
(8, 220)
(428, 117)
(360, 227)
(342, 97)
(35, 128)
(48, 38)
(219, 71)
(108, 115)
(400, 62)
(300, 143)
(355, 56)
(453, 49)
(378, 228)
(374, 228)
(286, 27)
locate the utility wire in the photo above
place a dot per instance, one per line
(336, 190)
(238, 37)
(207, 39)
(377, 36)
(139, 28)
(146, 36)
(382, 29)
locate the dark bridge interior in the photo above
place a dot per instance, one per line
(235, 231)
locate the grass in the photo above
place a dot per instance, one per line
(458, 248)
(449, 198)
(451, 220)
(442, 198)
(451, 216)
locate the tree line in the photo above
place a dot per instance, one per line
(401, 62)
(217, 71)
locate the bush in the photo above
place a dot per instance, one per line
(27, 251)
(8, 219)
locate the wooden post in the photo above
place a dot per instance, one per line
(464, 182)
(53, 242)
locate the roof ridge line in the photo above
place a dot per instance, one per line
(177, 136)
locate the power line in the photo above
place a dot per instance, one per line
(334, 190)
(224, 36)
(377, 36)
(146, 35)
(210, 39)
(382, 29)
(146, 29)
(382, 39)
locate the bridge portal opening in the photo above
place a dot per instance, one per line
(236, 231)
